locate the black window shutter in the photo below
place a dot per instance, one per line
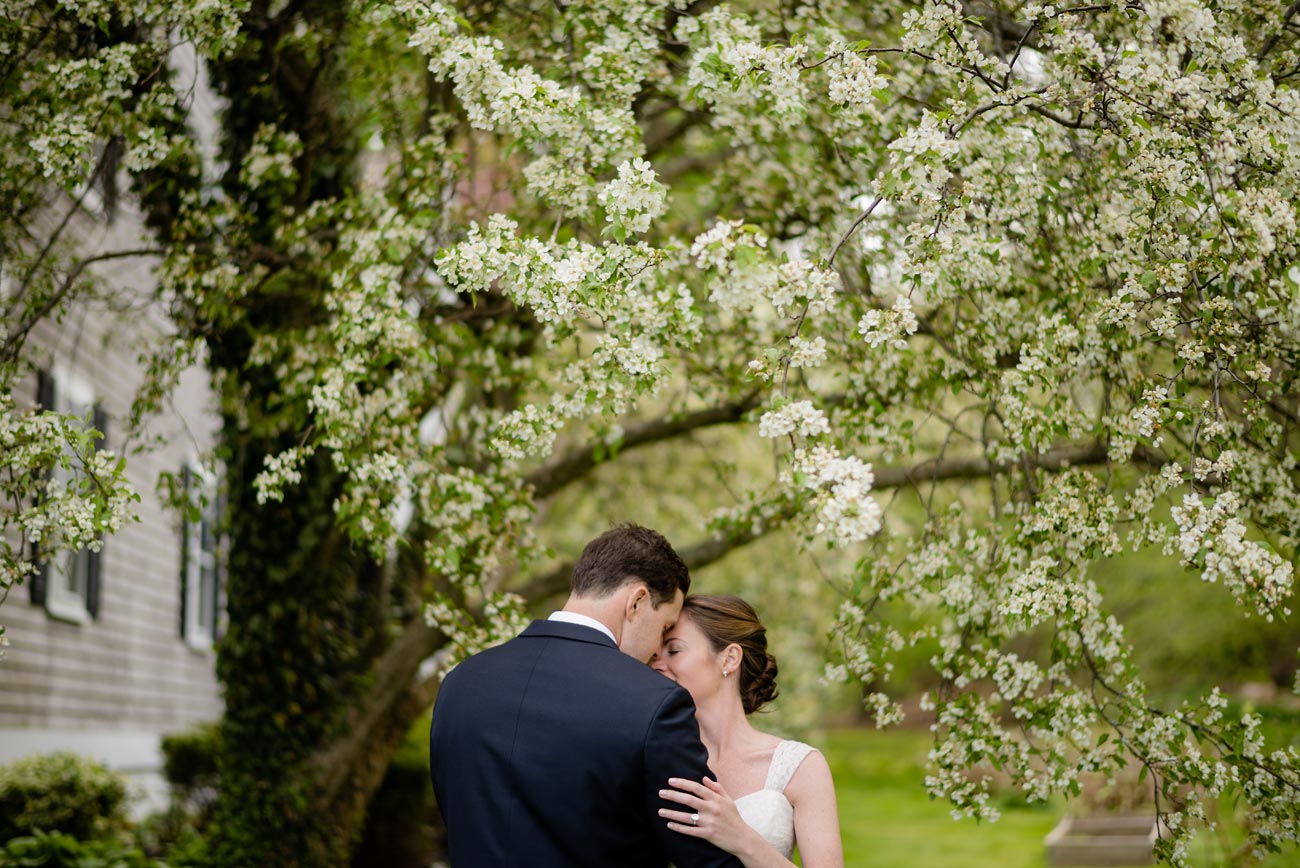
(218, 567)
(187, 484)
(41, 580)
(94, 580)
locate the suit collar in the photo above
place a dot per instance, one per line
(584, 620)
(564, 630)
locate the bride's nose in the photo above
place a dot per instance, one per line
(657, 663)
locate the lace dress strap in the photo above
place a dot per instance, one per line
(785, 762)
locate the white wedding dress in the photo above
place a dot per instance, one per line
(768, 811)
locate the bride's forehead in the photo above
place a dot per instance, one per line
(685, 628)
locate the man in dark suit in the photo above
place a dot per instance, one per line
(550, 750)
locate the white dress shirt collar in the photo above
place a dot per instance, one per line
(575, 618)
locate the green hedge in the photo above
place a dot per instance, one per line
(61, 792)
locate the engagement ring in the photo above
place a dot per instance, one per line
(695, 819)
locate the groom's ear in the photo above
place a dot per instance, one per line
(640, 596)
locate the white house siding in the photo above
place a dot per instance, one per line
(110, 687)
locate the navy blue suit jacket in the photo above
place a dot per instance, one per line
(550, 751)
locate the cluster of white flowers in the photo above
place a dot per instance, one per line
(573, 137)
(492, 94)
(807, 352)
(625, 53)
(1076, 510)
(796, 418)
(634, 199)
(737, 256)
(854, 80)
(753, 88)
(504, 617)
(270, 159)
(618, 285)
(63, 139)
(804, 283)
(840, 487)
(95, 499)
(1141, 424)
(1036, 594)
(889, 327)
(282, 470)
(919, 162)
(1213, 536)
(745, 274)
(470, 516)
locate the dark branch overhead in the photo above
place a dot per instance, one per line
(555, 476)
(714, 548)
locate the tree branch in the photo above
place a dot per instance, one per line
(13, 342)
(555, 476)
(394, 684)
(935, 470)
(1273, 40)
(696, 556)
(660, 136)
(714, 548)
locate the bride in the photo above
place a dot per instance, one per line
(718, 652)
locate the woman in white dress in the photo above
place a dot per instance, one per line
(783, 789)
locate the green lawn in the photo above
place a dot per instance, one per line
(888, 821)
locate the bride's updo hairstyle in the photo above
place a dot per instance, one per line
(725, 620)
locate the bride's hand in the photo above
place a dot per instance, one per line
(709, 813)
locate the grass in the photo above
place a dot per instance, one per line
(887, 819)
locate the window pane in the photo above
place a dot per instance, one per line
(74, 570)
(207, 538)
(207, 612)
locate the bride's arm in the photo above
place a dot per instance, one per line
(816, 815)
(719, 823)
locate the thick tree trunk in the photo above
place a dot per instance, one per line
(304, 603)
(297, 655)
(347, 771)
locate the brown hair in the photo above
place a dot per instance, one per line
(725, 620)
(629, 553)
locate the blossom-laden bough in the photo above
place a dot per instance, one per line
(1033, 263)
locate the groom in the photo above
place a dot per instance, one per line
(549, 751)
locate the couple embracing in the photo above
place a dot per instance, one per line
(615, 734)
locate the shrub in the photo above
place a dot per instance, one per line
(190, 766)
(56, 850)
(61, 792)
(177, 834)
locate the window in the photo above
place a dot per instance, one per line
(67, 585)
(200, 559)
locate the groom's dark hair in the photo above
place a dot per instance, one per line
(628, 553)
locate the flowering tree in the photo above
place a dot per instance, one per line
(1031, 263)
(82, 100)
